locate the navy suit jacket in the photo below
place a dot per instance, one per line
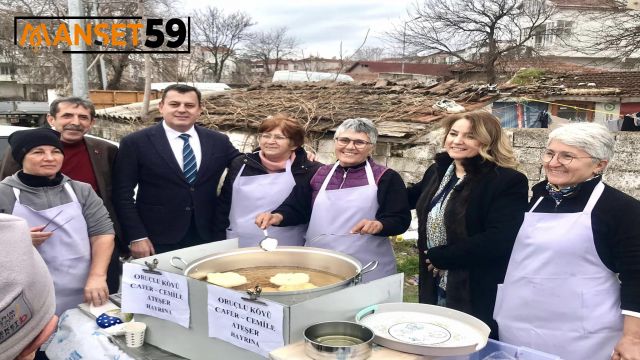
(165, 201)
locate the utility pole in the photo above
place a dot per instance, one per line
(404, 43)
(103, 65)
(79, 78)
(147, 69)
(404, 40)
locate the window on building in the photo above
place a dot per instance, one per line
(6, 69)
(539, 36)
(563, 29)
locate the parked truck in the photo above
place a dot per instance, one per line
(23, 113)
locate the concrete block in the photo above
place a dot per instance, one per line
(243, 141)
(326, 158)
(411, 177)
(627, 142)
(326, 146)
(532, 171)
(382, 160)
(626, 181)
(532, 138)
(624, 161)
(382, 149)
(527, 155)
(423, 152)
(405, 164)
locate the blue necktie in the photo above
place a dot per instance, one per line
(189, 165)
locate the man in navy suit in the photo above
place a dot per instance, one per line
(174, 206)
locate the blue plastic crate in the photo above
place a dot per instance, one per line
(518, 352)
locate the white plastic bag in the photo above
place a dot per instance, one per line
(78, 337)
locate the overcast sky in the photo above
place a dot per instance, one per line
(320, 25)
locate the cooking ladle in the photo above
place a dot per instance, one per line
(268, 243)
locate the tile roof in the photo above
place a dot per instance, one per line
(628, 82)
(586, 3)
(409, 68)
(550, 65)
(604, 84)
(403, 111)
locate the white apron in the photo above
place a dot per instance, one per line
(261, 193)
(67, 252)
(557, 295)
(337, 211)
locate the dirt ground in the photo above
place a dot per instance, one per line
(407, 257)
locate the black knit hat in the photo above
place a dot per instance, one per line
(23, 141)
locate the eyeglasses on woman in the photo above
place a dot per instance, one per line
(267, 137)
(358, 143)
(563, 157)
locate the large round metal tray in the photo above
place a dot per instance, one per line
(424, 329)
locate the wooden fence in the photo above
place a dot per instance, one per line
(109, 98)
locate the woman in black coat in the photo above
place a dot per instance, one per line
(470, 204)
(259, 181)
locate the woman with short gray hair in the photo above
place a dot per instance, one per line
(359, 125)
(572, 287)
(351, 206)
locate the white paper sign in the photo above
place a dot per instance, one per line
(165, 296)
(250, 325)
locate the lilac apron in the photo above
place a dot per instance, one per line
(333, 215)
(256, 194)
(67, 252)
(557, 295)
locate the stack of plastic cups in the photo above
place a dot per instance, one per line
(134, 333)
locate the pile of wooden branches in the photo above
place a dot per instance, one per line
(400, 110)
(323, 105)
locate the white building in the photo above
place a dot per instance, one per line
(573, 27)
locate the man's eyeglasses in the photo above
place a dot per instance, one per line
(265, 136)
(359, 144)
(563, 157)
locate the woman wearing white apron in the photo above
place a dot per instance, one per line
(572, 287)
(260, 181)
(70, 226)
(353, 205)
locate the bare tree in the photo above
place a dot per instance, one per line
(371, 53)
(49, 65)
(220, 34)
(477, 32)
(612, 33)
(42, 67)
(270, 46)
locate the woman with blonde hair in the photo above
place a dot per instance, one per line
(470, 204)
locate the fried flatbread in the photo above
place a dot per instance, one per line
(226, 279)
(282, 279)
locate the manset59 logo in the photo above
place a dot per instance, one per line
(104, 34)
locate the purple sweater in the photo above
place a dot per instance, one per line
(344, 178)
(393, 211)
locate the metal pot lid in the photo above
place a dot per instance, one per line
(424, 329)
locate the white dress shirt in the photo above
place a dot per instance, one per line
(177, 143)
